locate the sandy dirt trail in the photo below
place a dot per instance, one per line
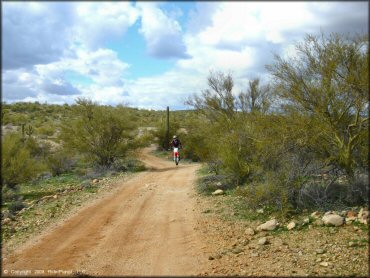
(144, 228)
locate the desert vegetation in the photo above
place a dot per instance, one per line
(300, 142)
(83, 141)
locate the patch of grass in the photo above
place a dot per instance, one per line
(209, 183)
(134, 165)
(161, 154)
(242, 212)
(363, 227)
(203, 171)
(360, 243)
(92, 189)
(50, 186)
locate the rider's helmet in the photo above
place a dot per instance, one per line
(174, 137)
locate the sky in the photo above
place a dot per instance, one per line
(151, 55)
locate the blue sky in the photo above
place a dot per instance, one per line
(153, 54)
(131, 49)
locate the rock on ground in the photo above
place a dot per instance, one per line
(291, 225)
(268, 226)
(249, 232)
(263, 241)
(333, 219)
(218, 192)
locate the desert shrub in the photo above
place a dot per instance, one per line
(134, 165)
(37, 149)
(60, 162)
(18, 165)
(46, 130)
(97, 172)
(337, 193)
(9, 194)
(119, 165)
(16, 206)
(99, 133)
(86, 184)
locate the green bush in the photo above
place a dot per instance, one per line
(18, 165)
(99, 133)
(134, 165)
(9, 194)
(37, 149)
(60, 162)
(46, 130)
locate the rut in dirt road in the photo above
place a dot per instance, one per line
(145, 228)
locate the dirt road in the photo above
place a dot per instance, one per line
(144, 228)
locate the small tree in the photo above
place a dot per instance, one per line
(328, 81)
(99, 133)
(228, 130)
(256, 98)
(217, 102)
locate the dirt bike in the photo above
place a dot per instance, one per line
(177, 155)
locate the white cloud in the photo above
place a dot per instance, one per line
(102, 21)
(102, 66)
(41, 33)
(241, 37)
(34, 33)
(170, 89)
(162, 33)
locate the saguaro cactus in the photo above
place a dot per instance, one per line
(29, 130)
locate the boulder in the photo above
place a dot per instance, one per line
(351, 213)
(363, 216)
(325, 264)
(352, 244)
(263, 241)
(268, 226)
(291, 225)
(363, 220)
(95, 181)
(315, 214)
(218, 192)
(333, 219)
(237, 250)
(249, 232)
(260, 211)
(306, 221)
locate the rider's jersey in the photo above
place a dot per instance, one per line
(176, 143)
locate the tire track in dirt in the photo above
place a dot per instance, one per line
(145, 228)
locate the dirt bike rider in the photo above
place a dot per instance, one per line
(176, 143)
